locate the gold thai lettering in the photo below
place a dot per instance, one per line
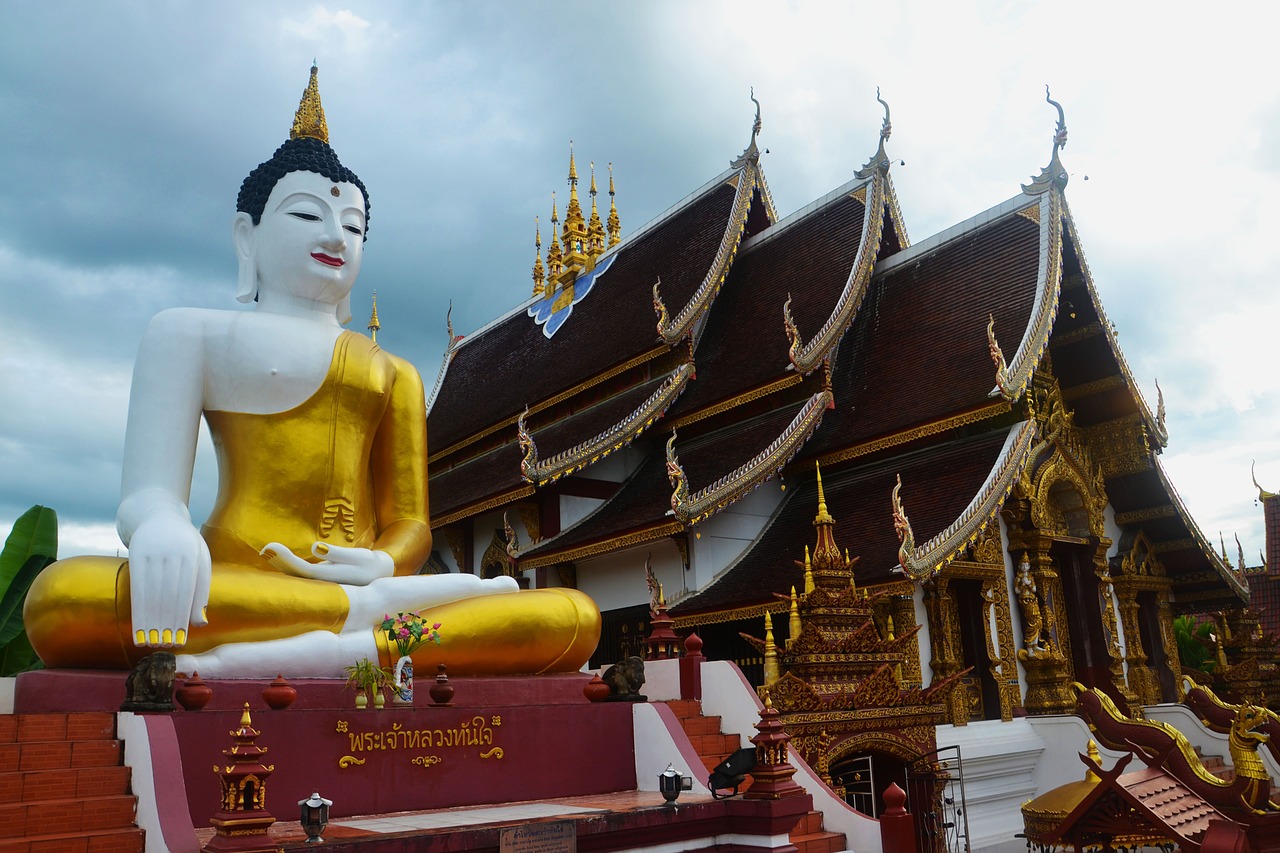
(475, 732)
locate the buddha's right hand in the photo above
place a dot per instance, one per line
(169, 576)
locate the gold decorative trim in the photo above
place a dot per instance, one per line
(691, 509)
(720, 616)
(482, 506)
(1160, 436)
(614, 438)
(895, 213)
(1035, 339)
(1150, 513)
(763, 186)
(551, 401)
(1062, 339)
(806, 357)
(1097, 386)
(1032, 213)
(615, 543)
(927, 560)
(672, 332)
(914, 433)
(861, 195)
(734, 402)
(1170, 545)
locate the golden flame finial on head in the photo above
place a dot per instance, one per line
(308, 122)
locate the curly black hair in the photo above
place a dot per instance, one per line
(305, 154)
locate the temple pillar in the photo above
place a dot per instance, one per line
(944, 642)
(999, 622)
(1106, 604)
(904, 620)
(1048, 668)
(1169, 641)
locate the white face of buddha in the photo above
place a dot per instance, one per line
(310, 240)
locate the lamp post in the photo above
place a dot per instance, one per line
(671, 782)
(314, 816)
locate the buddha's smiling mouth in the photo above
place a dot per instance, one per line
(328, 260)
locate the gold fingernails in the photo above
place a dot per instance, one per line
(139, 637)
(153, 637)
(321, 549)
(167, 637)
(182, 637)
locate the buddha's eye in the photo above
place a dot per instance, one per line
(352, 229)
(309, 217)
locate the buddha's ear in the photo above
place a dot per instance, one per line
(242, 229)
(344, 310)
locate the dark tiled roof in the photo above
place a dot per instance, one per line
(614, 323)
(1271, 518)
(917, 351)
(744, 344)
(498, 471)
(938, 484)
(645, 499)
(1171, 804)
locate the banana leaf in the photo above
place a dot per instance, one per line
(17, 656)
(35, 532)
(32, 545)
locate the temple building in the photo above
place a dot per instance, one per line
(988, 462)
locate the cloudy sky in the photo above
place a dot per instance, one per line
(127, 128)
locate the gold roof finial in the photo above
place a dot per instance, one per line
(751, 152)
(614, 223)
(573, 169)
(879, 161)
(555, 258)
(1092, 751)
(794, 626)
(808, 572)
(1053, 175)
(1263, 494)
(823, 517)
(308, 122)
(595, 228)
(374, 325)
(539, 272)
(1223, 542)
(1240, 551)
(245, 720)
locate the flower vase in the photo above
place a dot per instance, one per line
(402, 687)
(362, 700)
(442, 691)
(379, 700)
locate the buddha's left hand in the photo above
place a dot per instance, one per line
(357, 566)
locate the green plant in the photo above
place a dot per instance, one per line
(364, 676)
(32, 544)
(1195, 648)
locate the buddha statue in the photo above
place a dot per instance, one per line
(320, 523)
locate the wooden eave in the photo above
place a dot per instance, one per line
(950, 479)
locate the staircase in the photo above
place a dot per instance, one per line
(713, 747)
(63, 786)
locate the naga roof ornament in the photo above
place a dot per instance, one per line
(1263, 494)
(1052, 175)
(308, 122)
(1003, 385)
(879, 162)
(1162, 431)
(752, 152)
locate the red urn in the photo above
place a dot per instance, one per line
(194, 694)
(596, 690)
(441, 691)
(279, 694)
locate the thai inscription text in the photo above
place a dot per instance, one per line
(474, 732)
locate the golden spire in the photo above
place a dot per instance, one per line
(770, 652)
(808, 572)
(823, 517)
(1092, 751)
(308, 122)
(1225, 560)
(555, 260)
(615, 224)
(374, 325)
(595, 228)
(794, 626)
(574, 233)
(539, 273)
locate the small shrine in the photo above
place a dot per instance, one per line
(838, 680)
(242, 820)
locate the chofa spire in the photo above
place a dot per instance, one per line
(308, 122)
(1053, 175)
(879, 161)
(751, 152)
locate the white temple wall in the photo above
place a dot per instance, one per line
(721, 540)
(617, 580)
(573, 509)
(1000, 774)
(1113, 532)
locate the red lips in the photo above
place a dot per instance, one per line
(328, 260)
